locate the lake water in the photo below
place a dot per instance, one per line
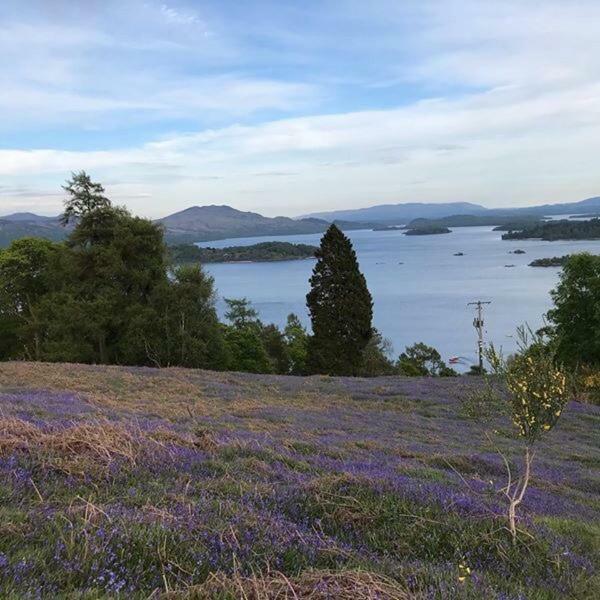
(420, 289)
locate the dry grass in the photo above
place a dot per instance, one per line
(75, 448)
(311, 585)
(92, 446)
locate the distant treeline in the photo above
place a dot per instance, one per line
(427, 231)
(263, 252)
(558, 230)
(502, 223)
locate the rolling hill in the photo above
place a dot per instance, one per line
(205, 223)
(184, 484)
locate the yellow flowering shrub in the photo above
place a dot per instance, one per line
(538, 392)
(589, 386)
(538, 389)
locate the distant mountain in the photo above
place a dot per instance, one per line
(28, 217)
(406, 212)
(401, 214)
(565, 208)
(15, 230)
(206, 223)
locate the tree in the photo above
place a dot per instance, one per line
(274, 343)
(421, 360)
(28, 272)
(85, 197)
(296, 339)
(179, 326)
(340, 306)
(247, 350)
(575, 318)
(240, 313)
(376, 357)
(115, 264)
(538, 393)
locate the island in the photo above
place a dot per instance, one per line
(263, 252)
(555, 261)
(388, 228)
(427, 231)
(499, 221)
(558, 230)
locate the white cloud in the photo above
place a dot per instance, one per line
(495, 101)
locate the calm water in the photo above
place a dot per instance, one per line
(424, 298)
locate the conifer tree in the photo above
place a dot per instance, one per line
(341, 308)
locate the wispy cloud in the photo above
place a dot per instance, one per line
(497, 102)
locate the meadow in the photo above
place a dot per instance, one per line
(187, 484)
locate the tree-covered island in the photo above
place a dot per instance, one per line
(558, 230)
(263, 252)
(427, 231)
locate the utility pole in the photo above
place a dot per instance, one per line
(478, 324)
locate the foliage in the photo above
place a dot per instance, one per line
(263, 252)
(420, 360)
(538, 393)
(276, 348)
(26, 276)
(296, 339)
(588, 384)
(180, 326)
(555, 261)
(240, 313)
(538, 389)
(340, 307)
(376, 357)
(247, 351)
(85, 197)
(575, 318)
(427, 230)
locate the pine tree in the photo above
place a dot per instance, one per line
(341, 308)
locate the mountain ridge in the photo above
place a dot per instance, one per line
(404, 212)
(211, 222)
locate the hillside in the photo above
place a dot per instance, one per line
(403, 213)
(204, 223)
(140, 482)
(195, 224)
(19, 228)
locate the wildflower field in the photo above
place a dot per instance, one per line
(138, 483)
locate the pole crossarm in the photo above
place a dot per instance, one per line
(478, 324)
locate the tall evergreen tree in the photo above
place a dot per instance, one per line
(341, 308)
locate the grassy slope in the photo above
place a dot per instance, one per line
(124, 481)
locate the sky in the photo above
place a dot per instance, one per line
(287, 107)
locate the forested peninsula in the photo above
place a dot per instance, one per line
(558, 230)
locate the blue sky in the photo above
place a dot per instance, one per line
(287, 107)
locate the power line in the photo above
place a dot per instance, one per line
(478, 324)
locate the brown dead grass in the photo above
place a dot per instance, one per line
(311, 585)
(92, 446)
(169, 393)
(73, 449)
